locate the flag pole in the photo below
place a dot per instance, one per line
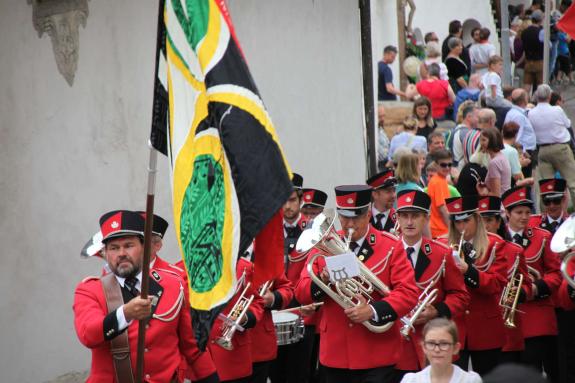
(367, 71)
(546, 28)
(146, 261)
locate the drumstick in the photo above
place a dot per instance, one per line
(313, 305)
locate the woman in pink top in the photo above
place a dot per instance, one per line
(498, 179)
(438, 91)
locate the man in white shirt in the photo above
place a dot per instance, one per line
(551, 126)
(526, 134)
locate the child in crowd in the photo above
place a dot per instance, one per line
(492, 84)
(440, 344)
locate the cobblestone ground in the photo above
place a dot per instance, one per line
(71, 377)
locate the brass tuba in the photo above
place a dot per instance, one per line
(510, 295)
(323, 236)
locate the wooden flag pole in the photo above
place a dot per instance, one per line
(368, 97)
(146, 261)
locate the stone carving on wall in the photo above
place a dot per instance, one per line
(61, 20)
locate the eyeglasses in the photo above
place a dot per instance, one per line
(445, 164)
(443, 346)
(547, 202)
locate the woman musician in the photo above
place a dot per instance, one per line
(480, 258)
(490, 211)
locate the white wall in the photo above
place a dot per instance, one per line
(70, 154)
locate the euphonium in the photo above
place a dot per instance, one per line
(323, 236)
(510, 295)
(231, 322)
(426, 298)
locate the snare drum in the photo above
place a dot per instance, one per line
(289, 327)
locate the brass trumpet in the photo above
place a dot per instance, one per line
(425, 299)
(323, 236)
(510, 295)
(458, 248)
(232, 321)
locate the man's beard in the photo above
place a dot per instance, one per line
(127, 271)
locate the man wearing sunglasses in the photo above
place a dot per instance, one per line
(553, 203)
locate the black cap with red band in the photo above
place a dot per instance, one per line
(461, 207)
(121, 223)
(314, 197)
(489, 206)
(352, 200)
(383, 179)
(518, 196)
(413, 200)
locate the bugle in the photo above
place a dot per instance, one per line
(231, 322)
(425, 299)
(323, 236)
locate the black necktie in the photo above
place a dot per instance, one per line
(410, 250)
(553, 226)
(379, 221)
(353, 246)
(291, 231)
(518, 239)
(130, 285)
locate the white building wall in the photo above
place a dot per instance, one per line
(71, 153)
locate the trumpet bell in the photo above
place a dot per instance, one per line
(564, 238)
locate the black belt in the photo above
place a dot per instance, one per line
(554, 143)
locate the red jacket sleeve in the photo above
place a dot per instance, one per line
(89, 313)
(306, 292)
(283, 292)
(457, 297)
(551, 279)
(492, 280)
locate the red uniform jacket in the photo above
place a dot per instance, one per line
(542, 221)
(237, 363)
(434, 263)
(166, 342)
(482, 327)
(264, 341)
(514, 337)
(566, 294)
(342, 341)
(539, 314)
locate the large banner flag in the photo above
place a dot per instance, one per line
(229, 175)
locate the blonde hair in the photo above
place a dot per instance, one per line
(433, 49)
(408, 168)
(462, 106)
(410, 123)
(480, 239)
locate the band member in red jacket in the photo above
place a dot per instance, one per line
(277, 295)
(169, 334)
(383, 196)
(349, 351)
(539, 326)
(313, 203)
(434, 269)
(553, 205)
(234, 362)
(292, 362)
(479, 257)
(490, 211)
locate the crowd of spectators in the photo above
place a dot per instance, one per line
(468, 133)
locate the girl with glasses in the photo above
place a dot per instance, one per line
(440, 343)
